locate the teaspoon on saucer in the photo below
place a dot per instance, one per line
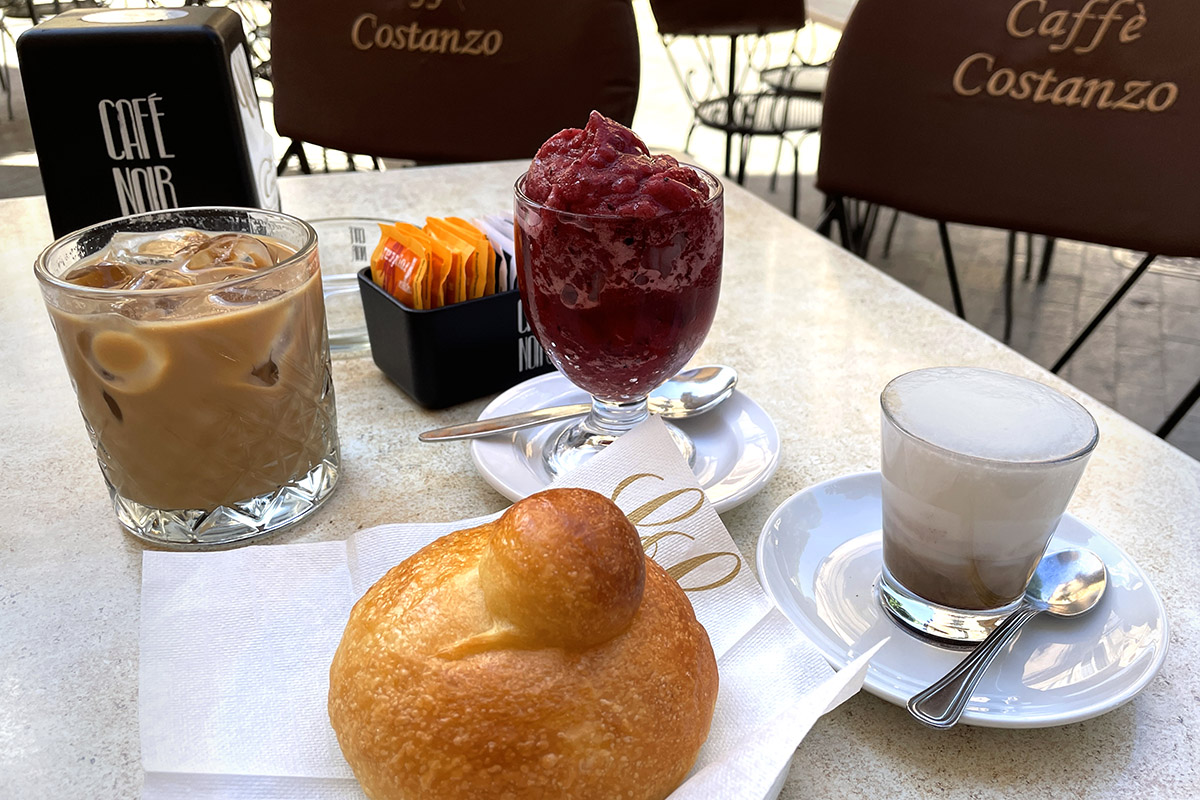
(1066, 584)
(688, 394)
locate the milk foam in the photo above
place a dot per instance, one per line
(988, 414)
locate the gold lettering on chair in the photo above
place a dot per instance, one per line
(1068, 32)
(368, 32)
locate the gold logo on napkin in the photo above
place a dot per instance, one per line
(642, 516)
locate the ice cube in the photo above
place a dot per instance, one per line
(231, 249)
(223, 273)
(266, 373)
(160, 278)
(126, 361)
(279, 252)
(150, 307)
(101, 275)
(183, 241)
(244, 295)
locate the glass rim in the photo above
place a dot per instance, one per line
(717, 194)
(43, 274)
(1075, 455)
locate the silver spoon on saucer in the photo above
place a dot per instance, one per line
(688, 394)
(1065, 584)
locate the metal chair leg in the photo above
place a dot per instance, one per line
(835, 211)
(296, 149)
(795, 181)
(1009, 276)
(743, 156)
(829, 213)
(1179, 413)
(775, 172)
(951, 273)
(729, 112)
(1047, 254)
(1109, 306)
(867, 232)
(891, 231)
(1028, 255)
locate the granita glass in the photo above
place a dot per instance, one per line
(619, 304)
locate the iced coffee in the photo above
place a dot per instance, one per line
(978, 467)
(197, 345)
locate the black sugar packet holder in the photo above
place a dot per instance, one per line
(460, 352)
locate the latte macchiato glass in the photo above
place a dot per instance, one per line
(978, 467)
(196, 343)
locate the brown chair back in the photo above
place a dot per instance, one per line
(449, 80)
(726, 18)
(1071, 118)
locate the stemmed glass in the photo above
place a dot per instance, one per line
(619, 304)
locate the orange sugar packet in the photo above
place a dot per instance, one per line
(438, 287)
(400, 266)
(472, 275)
(487, 253)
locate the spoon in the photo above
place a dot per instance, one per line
(688, 394)
(1065, 584)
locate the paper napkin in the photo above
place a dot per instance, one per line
(236, 646)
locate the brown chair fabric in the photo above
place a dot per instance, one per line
(449, 80)
(1049, 146)
(727, 17)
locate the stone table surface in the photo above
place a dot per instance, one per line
(815, 334)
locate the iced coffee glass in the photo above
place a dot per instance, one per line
(196, 343)
(978, 467)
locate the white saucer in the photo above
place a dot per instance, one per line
(737, 446)
(820, 553)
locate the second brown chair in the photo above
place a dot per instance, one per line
(1067, 120)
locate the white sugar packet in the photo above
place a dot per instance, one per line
(236, 646)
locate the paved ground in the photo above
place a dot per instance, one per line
(1141, 362)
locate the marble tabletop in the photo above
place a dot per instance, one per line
(815, 334)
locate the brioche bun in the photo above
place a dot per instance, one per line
(538, 656)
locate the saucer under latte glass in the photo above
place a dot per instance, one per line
(196, 343)
(619, 304)
(978, 467)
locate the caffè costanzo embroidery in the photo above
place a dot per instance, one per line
(367, 32)
(1095, 24)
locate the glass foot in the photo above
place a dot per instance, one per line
(195, 529)
(951, 625)
(580, 441)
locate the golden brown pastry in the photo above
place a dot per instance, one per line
(538, 656)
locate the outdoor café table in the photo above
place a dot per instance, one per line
(815, 334)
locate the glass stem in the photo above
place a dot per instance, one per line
(615, 418)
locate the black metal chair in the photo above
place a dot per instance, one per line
(732, 97)
(962, 112)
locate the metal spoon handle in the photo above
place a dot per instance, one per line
(943, 703)
(511, 422)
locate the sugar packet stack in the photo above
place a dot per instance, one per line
(236, 647)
